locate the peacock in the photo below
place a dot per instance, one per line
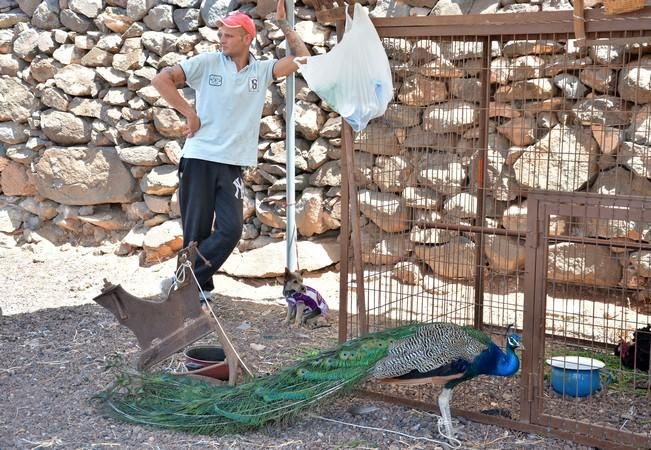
(417, 353)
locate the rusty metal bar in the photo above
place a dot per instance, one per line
(346, 182)
(484, 81)
(637, 245)
(579, 22)
(541, 24)
(344, 251)
(529, 317)
(347, 148)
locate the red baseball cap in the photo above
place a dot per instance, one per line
(238, 19)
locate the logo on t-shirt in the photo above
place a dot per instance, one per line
(215, 80)
(253, 85)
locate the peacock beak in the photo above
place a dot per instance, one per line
(521, 347)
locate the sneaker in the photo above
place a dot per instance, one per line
(205, 296)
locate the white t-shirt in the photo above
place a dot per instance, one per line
(229, 104)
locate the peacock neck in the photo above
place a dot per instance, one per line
(508, 363)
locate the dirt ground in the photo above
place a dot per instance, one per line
(55, 343)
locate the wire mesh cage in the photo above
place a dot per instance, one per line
(507, 183)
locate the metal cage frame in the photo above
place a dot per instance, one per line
(625, 29)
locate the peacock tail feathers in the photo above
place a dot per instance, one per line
(187, 404)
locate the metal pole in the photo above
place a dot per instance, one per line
(292, 263)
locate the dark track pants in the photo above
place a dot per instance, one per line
(210, 192)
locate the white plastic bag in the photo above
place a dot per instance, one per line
(354, 77)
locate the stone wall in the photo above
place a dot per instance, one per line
(561, 118)
(88, 150)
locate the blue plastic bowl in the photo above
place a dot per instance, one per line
(577, 376)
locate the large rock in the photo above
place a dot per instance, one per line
(64, 128)
(309, 119)
(11, 18)
(110, 219)
(311, 218)
(11, 218)
(421, 198)
(13, 133)
(26, 44)
(525, 67)
(68, 54)
(162, 242)
(454, 260)
(84, 176)
(453, 116)
(380, 249)
(601, 79)
(143, 155)
(74, 22)
(421, 90)
(161, 180)
(115, 19)
(46, 15)
(417, 138)
(570, 86)
(328, 174)
(617, 182)
(604, 110)
(160, 18)
(521, 131)
(16, 99)
(42, 69)
(76, 80)
(531, 47)
(159, 42)
(269, 261)
(468, 89)
(377, 139)
(28, 6)
(392, 173)
(635, 81)
(638, 132)
(585, 264)
(169, 123)
(88, 8)
(443, 172)
(312, 33)
(636, 158)
(213, 10)
(386, 210)
(533, 89)
(15, 180)
(546, 165)
(137, 9)
(97, 57)
(452, 7)
(504, 254)
(139, 132)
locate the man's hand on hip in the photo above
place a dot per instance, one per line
(192, 126)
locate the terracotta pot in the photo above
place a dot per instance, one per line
(207, 360)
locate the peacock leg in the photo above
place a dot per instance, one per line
(445, 421)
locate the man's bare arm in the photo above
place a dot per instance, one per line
(295, 44)
(166, 82)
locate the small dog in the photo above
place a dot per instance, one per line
(304, 304)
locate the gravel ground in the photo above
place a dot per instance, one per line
(56, 344)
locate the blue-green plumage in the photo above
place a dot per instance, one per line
(436, 352)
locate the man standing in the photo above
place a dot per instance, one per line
(221, 134)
